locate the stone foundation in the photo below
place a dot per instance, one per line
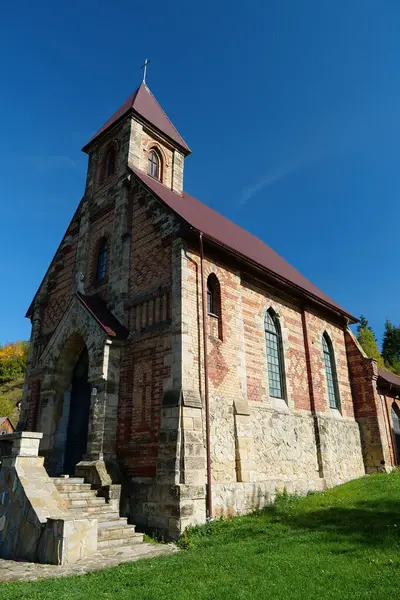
(231, 499)
(166, 510)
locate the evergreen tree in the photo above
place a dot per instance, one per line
(363, 324)
(391, 347)
(368, 343)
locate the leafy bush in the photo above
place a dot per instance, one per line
(13, 359)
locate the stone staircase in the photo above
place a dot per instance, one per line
(113, 530)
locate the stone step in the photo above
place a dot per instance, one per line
(82, 495)
(105, 521)
(130, 540)
(116, 532)
(93, 511)
(92, 501)
(68, 480)
(114, 552)
(75, 487)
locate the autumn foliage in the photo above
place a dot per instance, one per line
(13, 359)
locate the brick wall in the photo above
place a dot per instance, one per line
(59, 285)
(368, 407)
(100, 227)
(145, 365)
(285, 444)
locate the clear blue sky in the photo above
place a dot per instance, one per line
(291, 108)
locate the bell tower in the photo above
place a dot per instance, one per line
(141, 136)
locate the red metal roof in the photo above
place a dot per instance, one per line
(144, 104)
(98, 309)
(389, 378)
(223, 231)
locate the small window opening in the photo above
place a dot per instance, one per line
(154, 165)
(111, 162)
(102, 261)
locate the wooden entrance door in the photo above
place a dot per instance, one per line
(78, 423)
(396, 431)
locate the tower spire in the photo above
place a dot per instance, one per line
(146, 62)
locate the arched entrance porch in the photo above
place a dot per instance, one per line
(65, 414)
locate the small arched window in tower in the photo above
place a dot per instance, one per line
(154, 165)
(275, 364)
(111, 161)
(101, 267)
(330, 372)
(214, 302)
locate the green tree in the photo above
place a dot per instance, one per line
(363, 324)
(13, 359)
(368, 342)
(391, 347)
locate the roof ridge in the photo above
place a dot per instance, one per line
(161, 108)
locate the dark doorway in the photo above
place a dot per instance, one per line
(78, 423)
(396, 431)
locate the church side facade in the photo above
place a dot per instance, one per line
(117, 367)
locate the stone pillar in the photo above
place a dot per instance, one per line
(243, 442)
(177, 175)
(99, 465)
(181, 466)
(81, 257)
(92, 468)
(28, 412)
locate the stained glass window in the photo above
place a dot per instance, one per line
(273, 340)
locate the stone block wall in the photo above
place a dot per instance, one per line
(34, 522)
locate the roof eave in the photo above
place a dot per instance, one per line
(351, 319)
(186, 151)
(336, 309)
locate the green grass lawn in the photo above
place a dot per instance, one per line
(342, 544)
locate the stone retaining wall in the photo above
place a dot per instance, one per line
(34, 523)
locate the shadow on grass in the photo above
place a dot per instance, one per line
(369, 522)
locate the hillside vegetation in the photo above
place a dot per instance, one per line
(13, 359)
(342, 543)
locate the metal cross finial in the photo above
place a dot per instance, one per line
(146, 62)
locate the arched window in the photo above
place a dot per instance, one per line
(330, 370)
(213, 295)
(275, 364)
(214, 301)
(101, 267)
(154, 165)
(396, 430)
(111, 161)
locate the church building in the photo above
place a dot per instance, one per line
(177, 356)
